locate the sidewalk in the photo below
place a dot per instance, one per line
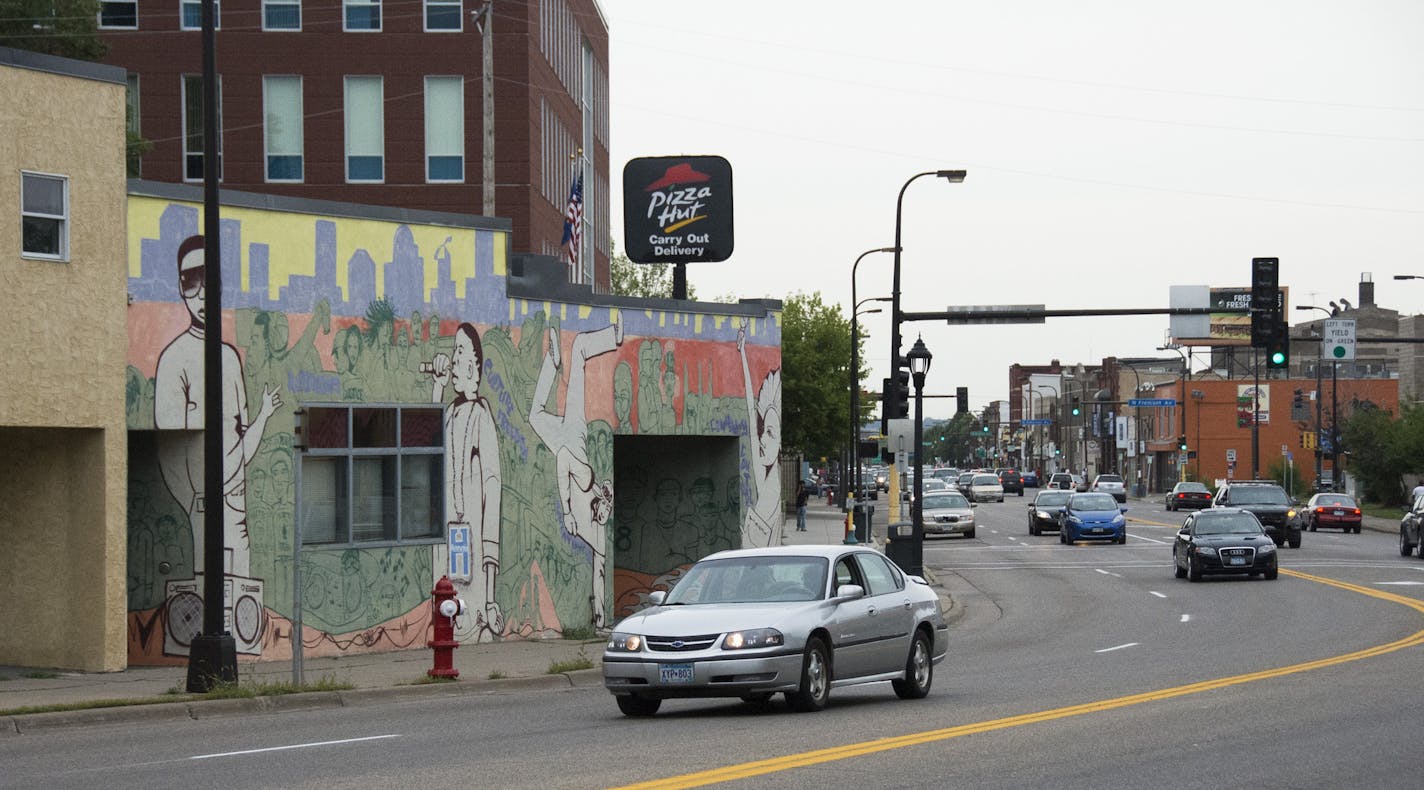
(484, 669)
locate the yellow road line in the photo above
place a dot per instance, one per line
(803, 759)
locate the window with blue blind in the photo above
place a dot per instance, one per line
(444, 129)
(282, 127)
(365, 130)
(281, 15)
(362, 15)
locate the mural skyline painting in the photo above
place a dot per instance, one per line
(465, 433)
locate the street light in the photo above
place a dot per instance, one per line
(953, 177)
(919, 360)
(1334, 381)
(855, 382)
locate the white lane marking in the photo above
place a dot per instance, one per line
(291, 746)
(1401, 584)
(1108, 573)
(1119, 647)
(1186, 618)
(1159, 595)
(1150, 540)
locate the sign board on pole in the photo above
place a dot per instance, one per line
(677, 209)
(1231, 456)
(1338, 339)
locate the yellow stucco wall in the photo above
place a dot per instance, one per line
(62, 430)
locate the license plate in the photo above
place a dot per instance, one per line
(1339, 512)
(1235, 560)
(1098, 530)
(675, 673)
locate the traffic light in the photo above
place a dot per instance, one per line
(1278, 345)
(1182, 442)
(1076, 409)
(961, 400)
(986, 429)
(896, 398)
(1265, 299)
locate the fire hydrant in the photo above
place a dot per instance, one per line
(444, 608)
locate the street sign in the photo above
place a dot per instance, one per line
(1338, 339)
(1036, 421)
(995, 314)
(1231, 456)
(1151, 402)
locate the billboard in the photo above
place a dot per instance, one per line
(677, 209)
(1229, 323)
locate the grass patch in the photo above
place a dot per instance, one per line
(1391, 512)
(40, 674)
(426, 680)
(273, 688)
(87, 705)
(572, 665)
(580, 633)
(496, 674)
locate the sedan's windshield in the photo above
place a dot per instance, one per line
(945, 502)
(985, 480)
(1052, 499)
(1338, 501)
(752, 580)
(1234, 524)
(1093, 502)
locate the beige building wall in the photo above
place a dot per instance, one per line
(63, 465)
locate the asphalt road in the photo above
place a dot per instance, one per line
(1072, 666)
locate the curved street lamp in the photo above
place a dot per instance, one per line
(855, 382)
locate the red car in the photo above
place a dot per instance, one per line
(1336, 511)
(1189, 495)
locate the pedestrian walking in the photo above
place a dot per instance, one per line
(801, 496)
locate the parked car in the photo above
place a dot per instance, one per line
(1092, 516)
(1011, 481)
(1223, 540)
(1337, 511)
(985, 487)
(751, 623)
(1268, 502)
(1411, 529)
(1061, 480)
(1110, 484)
(1030, 478)
(1043, 512)
(1188, 494)
(947, 513)
(1080, 483)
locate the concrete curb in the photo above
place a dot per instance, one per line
(32, 723)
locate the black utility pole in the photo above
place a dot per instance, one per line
(212, 656)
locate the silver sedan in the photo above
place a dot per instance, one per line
(800, 620)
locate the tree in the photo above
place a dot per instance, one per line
(815, 373)
(1382, 449)
(67, 28)
(649, 280)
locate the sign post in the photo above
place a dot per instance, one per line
(1338, 339)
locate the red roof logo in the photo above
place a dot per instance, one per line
(678, 174)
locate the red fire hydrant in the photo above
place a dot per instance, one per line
(444, 608)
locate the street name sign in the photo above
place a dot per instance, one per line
(1151, 402)
(1036, 421)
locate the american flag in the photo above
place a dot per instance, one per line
(573, 223)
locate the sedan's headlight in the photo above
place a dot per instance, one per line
(1075, 520)
(1290, 514)
(1045, 515)
(751, 638)
(1119, 519)
(1265, 548)
(1206, 551)
(625, 643)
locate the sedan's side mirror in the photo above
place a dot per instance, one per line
(1063, 509)
(656, 597)
(974, 504)
(849, 592)
(1184, 534)
(1123, 508)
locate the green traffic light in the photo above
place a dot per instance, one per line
(1278, 358)
(1075, 411)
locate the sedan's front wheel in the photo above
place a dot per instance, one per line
(1194, 573)
(634, 705)
(815, 689)
(1405, 547)
(919, 670)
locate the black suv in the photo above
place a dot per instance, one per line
(1012, 481)
(1268, 502)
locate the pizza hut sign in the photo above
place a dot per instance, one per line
(677, 209)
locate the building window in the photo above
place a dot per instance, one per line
(443, 15)
(362, 14)
(133, 155)
(281, 15)
(193, 127)
(372, 474)
(191, 13)
(282, 127)
(44, 216)
(118, 14)
(365, 130)
(444, 129)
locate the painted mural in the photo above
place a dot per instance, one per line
(543, 529)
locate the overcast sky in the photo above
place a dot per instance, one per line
(1113, 149)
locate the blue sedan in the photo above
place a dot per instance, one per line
(1092, 516)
